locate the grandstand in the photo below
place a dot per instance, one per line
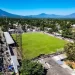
(10, 46)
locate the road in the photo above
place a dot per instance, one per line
(56, 69)
(52, 67)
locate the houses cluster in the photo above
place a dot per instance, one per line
(27, 29)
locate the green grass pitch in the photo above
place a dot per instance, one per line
(36, 43)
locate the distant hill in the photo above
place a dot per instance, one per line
(7, 14)
(71, 15)
(42, 15)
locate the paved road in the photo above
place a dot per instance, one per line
(53, 67)
(56, 69)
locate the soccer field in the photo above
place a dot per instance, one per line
(36, 43)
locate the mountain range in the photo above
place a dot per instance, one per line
(42, 15)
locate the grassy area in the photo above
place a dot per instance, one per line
(39, 43)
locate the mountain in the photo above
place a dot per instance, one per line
(42, 15)
(71, 15)
(6, 14)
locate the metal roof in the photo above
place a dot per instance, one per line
(14, 61)
(8, 38)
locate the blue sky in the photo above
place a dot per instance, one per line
(33, 7)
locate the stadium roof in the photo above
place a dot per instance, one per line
(14, 61)
(8, 38)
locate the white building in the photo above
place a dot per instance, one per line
(73, 26)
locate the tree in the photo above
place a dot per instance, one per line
(73, 36)
(70, 51)
(67, 33)
(31, 68)
(50, 31)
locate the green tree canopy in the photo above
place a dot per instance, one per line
(70, 51)
(31, 68)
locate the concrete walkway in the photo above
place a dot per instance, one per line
(52, 67)
(63, 65)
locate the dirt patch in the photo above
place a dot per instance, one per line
(70, 63)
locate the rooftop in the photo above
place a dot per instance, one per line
(8, 38)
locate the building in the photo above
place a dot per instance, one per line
(11, 30)
(10, 46)
(73, 26)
